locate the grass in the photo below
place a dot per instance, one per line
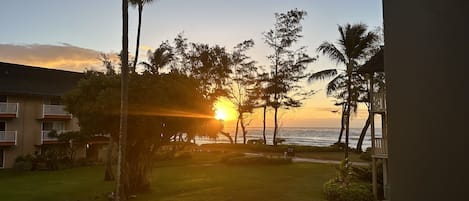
(84, 183)
(201, 178)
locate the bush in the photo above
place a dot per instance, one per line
(354, 191)
(257, 161)
(23, 163)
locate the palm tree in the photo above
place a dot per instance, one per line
(121, 170)
(139, 4)
(158, 59)
(354, 45)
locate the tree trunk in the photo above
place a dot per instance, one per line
(243, 129)
(228, 136)
(140, 10)
(363, 133)
(122, 180)
(342, 125)
(349, 101)
(236, 131)
(263, 121)
(108, 173)
(274, 140)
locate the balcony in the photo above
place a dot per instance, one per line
(8, 138)
(55, 112)
(8, 110)
(379, 102)
(45, 139)
(380, 150)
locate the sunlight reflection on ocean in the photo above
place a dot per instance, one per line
(297, 136)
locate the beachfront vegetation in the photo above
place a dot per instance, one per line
(354, 46)
(287, 64)
(347, 186)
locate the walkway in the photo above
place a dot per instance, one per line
(312, 160)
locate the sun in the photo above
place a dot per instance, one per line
(224, 110)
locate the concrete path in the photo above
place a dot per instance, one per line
(312, 160)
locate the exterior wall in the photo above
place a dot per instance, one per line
(28, 125)
(426, 64)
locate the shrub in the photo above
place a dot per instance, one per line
(353, 191)
(257, 161)
(23, 163)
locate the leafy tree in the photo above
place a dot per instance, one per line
(95, 102)
(161, 106)
(354, 45)
(287, 64)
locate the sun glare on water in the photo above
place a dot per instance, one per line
(224, 110)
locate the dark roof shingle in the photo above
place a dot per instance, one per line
(29, 80)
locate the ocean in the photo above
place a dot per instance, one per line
(297, 136)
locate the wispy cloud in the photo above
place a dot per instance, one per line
(63, 56)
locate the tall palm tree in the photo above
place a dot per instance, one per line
(121, 170)
(139, 4)
(354, 45)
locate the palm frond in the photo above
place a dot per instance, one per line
(331, 50)
(321, 75)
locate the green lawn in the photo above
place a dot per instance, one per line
(201, 178)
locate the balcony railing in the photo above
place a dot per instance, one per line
(8, 109)
(379, 102)
(45, 138)
(55, 111)
(7, 138)
(381, 147)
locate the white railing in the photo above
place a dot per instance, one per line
(381, 147)
(8, 137)
(54, 110)
(9, 108)
(379, 102)
(45, 135)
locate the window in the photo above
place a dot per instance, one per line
(53, 125)
(3, 99)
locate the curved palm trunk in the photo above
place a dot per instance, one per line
(228, 136)
(122, 179)
(140, 10)
(349, 101)
(274, 140)
(263, 122)
(342, 124)
(363, 133)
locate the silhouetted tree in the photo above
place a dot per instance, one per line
(287, 65)
(139, 4)
(159, 58)
(354, 45)
(242, 92)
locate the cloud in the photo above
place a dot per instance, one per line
(64, 56)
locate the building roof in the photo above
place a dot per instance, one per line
(29, 80)
(374, 64)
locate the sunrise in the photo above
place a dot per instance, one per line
(179, 100)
